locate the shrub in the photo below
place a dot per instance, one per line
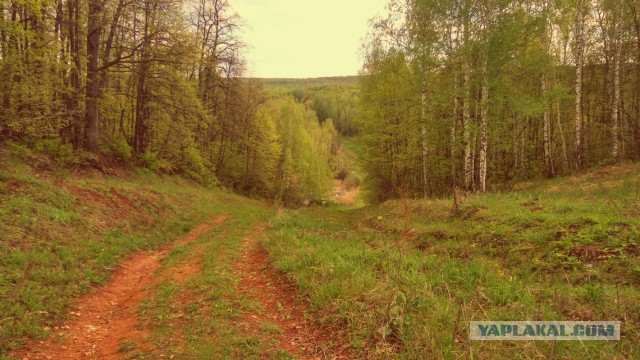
(118, 148)
(55, 149)
(148, 160)
(17, 148)
(195, 167)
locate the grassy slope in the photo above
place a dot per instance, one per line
(201, 318)
(402, 278)
(62, 232)
(406, 277)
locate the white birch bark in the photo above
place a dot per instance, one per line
(484, 128)
(579, 50)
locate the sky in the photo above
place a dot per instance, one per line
(305, 38)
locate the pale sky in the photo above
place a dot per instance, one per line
(305, 38)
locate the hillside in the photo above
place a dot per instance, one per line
(65, 232)
(406, 277)
(114, 265)
(310, 82)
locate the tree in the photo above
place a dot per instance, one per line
(94, 35)
(511, 80)
(579, 25)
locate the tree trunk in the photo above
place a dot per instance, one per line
(106, 54)
(466, 128)
(92, 119)
(636, 126)
(453, 134)
(3, 35)
(484, 128)
(425, 145)
(579, 49)
(548, 157)
(615, 109)
(140, 127)
(4, 52)
(466, 106)
(74, 75)
(546, 117)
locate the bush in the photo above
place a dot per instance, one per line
(19, 149)
(148, 160)
(118, 148)
(195, 167)
(53, 148)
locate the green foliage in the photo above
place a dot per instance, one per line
(391, 132)
(118, 148)
(148, 160)
(304, 171)
(456, 94)
(184, 108)
(194, 167)
(336, 99)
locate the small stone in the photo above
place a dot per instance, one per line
(91, 328)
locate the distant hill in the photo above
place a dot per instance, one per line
(336, 98)
(310, 82)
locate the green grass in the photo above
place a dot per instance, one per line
(202, 317)
(408, 285)
(61, 233)
(402, 279)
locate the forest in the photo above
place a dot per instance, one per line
(160, 83)
(477, 94)
(460, 94)
(159, 200)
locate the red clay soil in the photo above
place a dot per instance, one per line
(101, 321)
(279, 306)
(188, 269)
(345, 196)
(349, 198)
